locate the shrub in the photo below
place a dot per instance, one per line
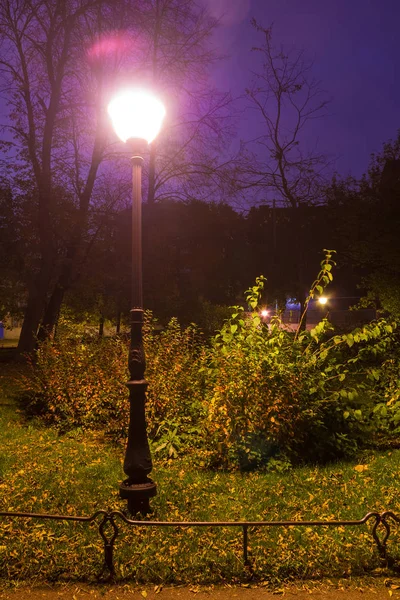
(78, 380)
(175, 404)
(255, 395)
(307, 396)
(387, 409)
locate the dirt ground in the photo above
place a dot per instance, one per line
(373, 591)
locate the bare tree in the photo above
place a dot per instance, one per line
(60, 63)
(182, 163)
(275, 166)
(41, 67)
(189, 153)
(286, 98)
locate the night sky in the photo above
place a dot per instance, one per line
(355, 48)
(354, 45)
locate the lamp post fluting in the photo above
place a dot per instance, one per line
(137, 119)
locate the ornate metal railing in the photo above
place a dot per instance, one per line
(108, 529)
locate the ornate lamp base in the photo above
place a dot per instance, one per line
(138, 495)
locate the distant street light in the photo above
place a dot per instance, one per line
(323, 300)
(137, 117)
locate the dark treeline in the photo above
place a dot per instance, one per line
(199, 257)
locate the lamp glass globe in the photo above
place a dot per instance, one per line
(136, 114)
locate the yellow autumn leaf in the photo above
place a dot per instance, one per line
(361, 468)
(144, 593)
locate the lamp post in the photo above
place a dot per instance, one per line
(137, 117)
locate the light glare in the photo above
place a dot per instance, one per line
(136, 114)
(323, 300)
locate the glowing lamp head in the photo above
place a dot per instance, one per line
(136, 114)
(264, 313)
(323, 300)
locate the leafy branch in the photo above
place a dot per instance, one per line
(324, 277)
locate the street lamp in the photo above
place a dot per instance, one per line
(137, 117)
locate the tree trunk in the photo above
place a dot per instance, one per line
(118, 327)
(101, 326)
(302, 301)
(33, 313)
(34, 310)
(51, 313)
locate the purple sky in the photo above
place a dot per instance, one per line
(355, 47)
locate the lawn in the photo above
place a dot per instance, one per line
(78, 473)
(8, 343)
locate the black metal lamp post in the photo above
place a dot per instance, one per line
(137, 118)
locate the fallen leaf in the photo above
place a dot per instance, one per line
(361, 468)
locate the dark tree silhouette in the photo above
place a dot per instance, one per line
(60, 63)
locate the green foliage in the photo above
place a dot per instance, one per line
(323, 279)
(387, 411)
(78, 380)
(308, 397)
(257, 395)
(175, 395)
(211, 317)
(367, 215)
(383, 292)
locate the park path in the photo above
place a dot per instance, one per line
(79, 592)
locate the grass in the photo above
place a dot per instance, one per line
(78, 473)
(8, 343)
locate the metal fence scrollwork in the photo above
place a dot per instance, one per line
(109, 530)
